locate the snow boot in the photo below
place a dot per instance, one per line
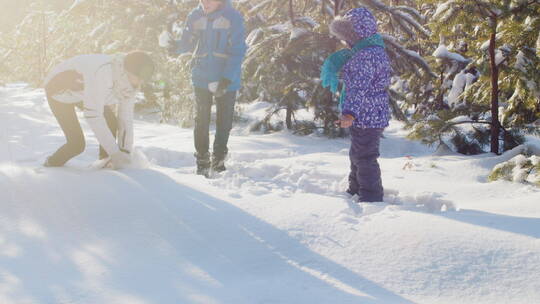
(218, 163)
(49, 164)
(350, 193)
(203, 164)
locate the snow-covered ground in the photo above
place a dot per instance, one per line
(274, 228)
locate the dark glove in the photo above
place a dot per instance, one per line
(223, 85)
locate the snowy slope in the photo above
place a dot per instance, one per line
(274, 228)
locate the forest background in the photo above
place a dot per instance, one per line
(467, 73)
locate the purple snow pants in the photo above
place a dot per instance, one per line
(365, 176)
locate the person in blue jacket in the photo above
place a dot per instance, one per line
(214, 33)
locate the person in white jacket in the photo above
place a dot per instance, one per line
(96, 83)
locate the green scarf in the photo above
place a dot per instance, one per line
(334, 63)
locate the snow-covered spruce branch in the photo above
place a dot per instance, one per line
(453, 124)
(411, 11)
(306, 129)
(446, 8)
(11, 48)
(372, 3)
(261, 46)
(258, 7)
(405, 17)
(328, 9)
(414, 56)
(523, 6)
(402, 14)
(394, 96)
(484, 7)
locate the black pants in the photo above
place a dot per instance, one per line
(365, 175)
(66, 116)
(224, 120)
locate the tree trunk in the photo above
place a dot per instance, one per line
(495, 126)
(43, 61)
(288, 116)
(440, 98)
(336, 7)
(291, 12)
(288, 101)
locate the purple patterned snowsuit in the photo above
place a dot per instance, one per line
(366, 77)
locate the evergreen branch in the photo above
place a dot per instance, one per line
(411, 11)
(398, 113)
(302, 130)
(486, 7)
(523, 6)
(259, 6)
(408, 19)
(450, 125)
(7, 47)
(453, 124)
(404, 15)
(374, 3)
(417, 59)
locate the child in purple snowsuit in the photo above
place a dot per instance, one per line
(365, 107)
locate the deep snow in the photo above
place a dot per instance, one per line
(274, 228)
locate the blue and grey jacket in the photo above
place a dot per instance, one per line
(367, 73)
(217, 42)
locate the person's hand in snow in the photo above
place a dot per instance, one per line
(120, 160)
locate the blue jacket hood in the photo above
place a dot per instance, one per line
(363, 21)
(227, 4)
(217, 44)
(355, 25)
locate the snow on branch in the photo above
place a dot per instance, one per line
(443, 53)
(411, 11)
(414, 56)
(406, 16)
(410, 20)
(443, 8)
(75, 4)
(259, 6)
(376, 4)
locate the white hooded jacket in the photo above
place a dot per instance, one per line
(105, 83)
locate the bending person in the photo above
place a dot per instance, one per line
(96, 84)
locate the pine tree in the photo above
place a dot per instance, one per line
(287, 76)
(288, 45)
(520, 86)
(28, 44)
(98, 26)
(490, 23)
(285, 52)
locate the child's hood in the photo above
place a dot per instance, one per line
(364, 23)
(356, 24)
